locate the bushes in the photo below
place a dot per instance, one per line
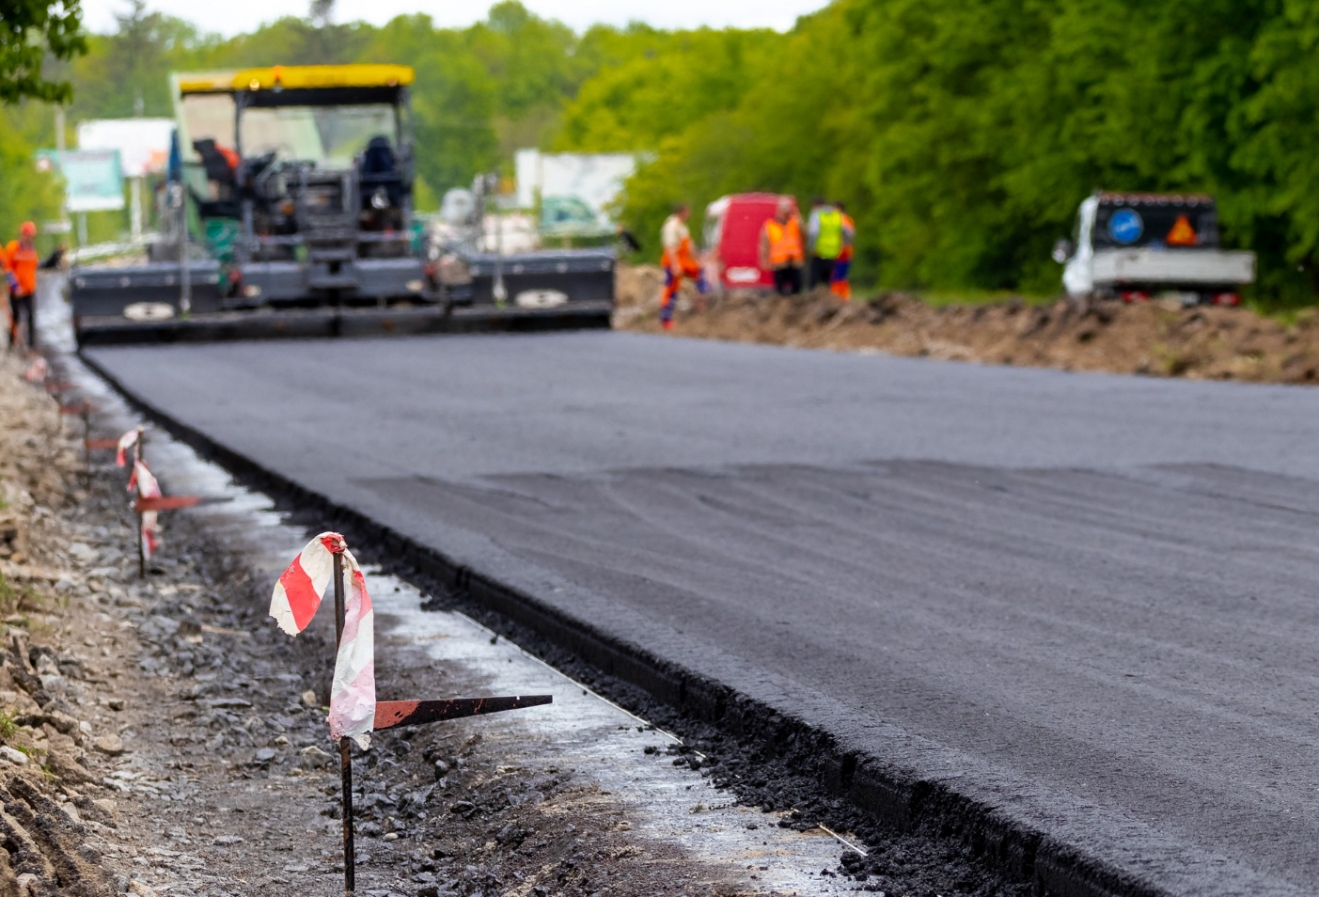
(963, 133)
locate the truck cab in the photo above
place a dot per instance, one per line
(1135, 246)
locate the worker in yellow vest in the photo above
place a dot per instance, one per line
(781, 248)
(839, 284)
(827, 237)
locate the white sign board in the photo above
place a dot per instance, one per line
(143, 143)
(593, 178)
(93, 180)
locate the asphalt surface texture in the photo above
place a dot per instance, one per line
(1085, 600)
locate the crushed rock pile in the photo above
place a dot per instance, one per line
(1159, 338)
(45, 740)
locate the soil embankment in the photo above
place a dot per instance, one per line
(1156, 338)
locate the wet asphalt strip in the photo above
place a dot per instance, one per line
(1069, 616)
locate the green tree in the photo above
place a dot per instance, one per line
(126, 73)
(25, 194)
(1275, 133)
(29, 30)
(453, 100)
(668, 84)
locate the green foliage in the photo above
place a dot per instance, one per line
(29, 30)
(1275, 132)
(25, 195)
(453, 100)
(665, 85)
(119, 77)
(963, 135)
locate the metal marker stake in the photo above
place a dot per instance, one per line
(141, 545)
(345, 758)
(394, 714)
(185, 257)
(86, 446)
(141, 550)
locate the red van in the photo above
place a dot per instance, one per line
(732, 239)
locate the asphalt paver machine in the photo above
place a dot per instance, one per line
(321, 192)
(291, 187)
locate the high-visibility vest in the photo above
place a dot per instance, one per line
(848, 224)
(23, 263)
(684, 259)
(784, 242)
(829, 242)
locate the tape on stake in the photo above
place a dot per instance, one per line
(127, 441)
(37, 370)
(294, 602)
(354, 712)
(148, 520)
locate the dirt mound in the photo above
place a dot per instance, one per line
(1158, 338)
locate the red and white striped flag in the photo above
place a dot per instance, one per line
(144, 481)
(36, 370)
(297, 597)
(147, 487)
(125, 443)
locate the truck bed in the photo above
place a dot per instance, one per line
(1176, 267)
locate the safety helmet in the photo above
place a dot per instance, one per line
(27, 229)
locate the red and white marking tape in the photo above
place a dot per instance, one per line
(147, 487)
(297, 597)
(125, 443)
(36, 370)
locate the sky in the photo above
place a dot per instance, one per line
(234, 16)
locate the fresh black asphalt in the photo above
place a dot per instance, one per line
(1087, 600)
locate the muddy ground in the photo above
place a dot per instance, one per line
(1159, 338)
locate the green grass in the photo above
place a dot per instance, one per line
(14, 599)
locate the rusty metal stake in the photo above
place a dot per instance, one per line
(141, 544)
(81, 409)
(141, 549)
(87, 446)
(345, 756)
(396, 714)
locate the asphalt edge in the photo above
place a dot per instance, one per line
(1016, 849)
(337, 323)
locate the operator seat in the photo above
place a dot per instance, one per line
(379, 168)
(220, 172)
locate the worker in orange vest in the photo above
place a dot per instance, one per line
(839, 284)
(21, 262)
(678, 261)
(781, 251)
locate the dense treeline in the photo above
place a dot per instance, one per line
(964, 134)
(961, 133)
